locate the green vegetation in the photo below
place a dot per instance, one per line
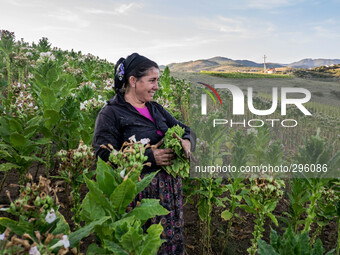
(48, 104)
(237, 75)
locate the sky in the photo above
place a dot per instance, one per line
(176, 31)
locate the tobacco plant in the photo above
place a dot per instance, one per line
(110, 195)
(291, 243)
(18, 145)
(6, 45)
(181, 164)
(315, 151)
(40, 229)
(75, 163)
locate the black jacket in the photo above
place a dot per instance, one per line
(119, 120)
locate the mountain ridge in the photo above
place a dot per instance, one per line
(220, 63)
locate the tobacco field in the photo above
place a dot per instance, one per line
(57, 198)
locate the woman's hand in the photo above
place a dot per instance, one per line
(163, 157)
(186, 145)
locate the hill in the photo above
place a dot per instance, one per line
(220, 64)
(223, 64)
(311, 63)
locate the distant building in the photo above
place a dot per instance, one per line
(271, 70)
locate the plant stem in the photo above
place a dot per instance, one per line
(232, 210)
(4, 180)
(209, 215)
(48, 159)
(338, 245)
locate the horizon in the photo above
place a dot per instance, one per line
(285, 31)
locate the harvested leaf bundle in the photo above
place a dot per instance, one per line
(181, 164)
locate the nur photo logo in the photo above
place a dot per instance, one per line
(238, 105)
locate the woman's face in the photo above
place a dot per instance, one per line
(147, 85)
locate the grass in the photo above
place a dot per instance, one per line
(237, 75)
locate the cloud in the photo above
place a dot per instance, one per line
(131, 28)
(222, 24)
(23, 3)
(69, 17)
(264, 4)
(326, 32)
(53, 28)
(122, 9)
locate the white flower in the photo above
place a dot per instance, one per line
(82, 106)
(2, 236)
(251, 130)
(64, 242)
(145, 141)
(50, 216)
(35, 108)
(34, 251)
(122, 173)
(133, 138)
(30, 104)
(21, 94)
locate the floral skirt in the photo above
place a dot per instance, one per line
(169, 191)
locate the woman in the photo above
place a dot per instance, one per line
(132, 112)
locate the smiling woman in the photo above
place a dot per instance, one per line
(133, 113)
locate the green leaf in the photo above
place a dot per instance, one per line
(115, 248)
(76, 236)
(31, 158)
(34, 121)
(275, 239)
(270, 215)
(30, 131)
(99, 196)
(16, 227)
(132, 239)
(42, 141)
(48, 97)
(318, 248)
(62, 225)
(123, 195)
(105, 178)
(265, 249)
(203, 209)
(152, 241)
(149, 208)
(18, 140)
(122, 226)
(93, 249)
(8, 166)
(15, 125)
(85, 136)
(271, 206)
(4, 154)
(52, 75)
(226, 215)
(52, 117)
(145, 181)
(46, 132)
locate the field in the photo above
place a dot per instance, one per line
(56, 198)
(239, 75)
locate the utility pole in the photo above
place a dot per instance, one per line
(264, 64)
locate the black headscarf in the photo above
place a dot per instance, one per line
(124, 67)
